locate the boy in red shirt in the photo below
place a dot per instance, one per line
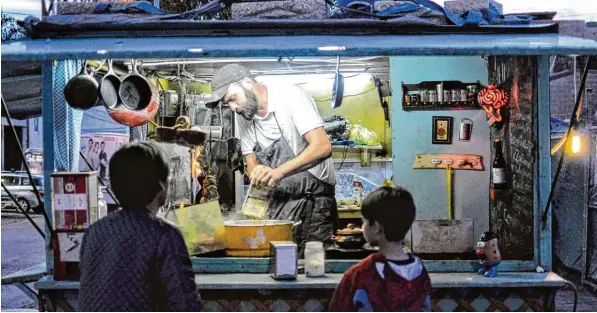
(390, 280)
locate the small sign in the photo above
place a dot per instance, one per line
(70, 246)
(74, 199)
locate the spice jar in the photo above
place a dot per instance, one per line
(314, 259)
(447, 95)
(424, 96)
(432, 96)
(455, 95)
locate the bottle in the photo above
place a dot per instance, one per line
(499, 167)
(102, 206)
(357, 189)
(314, 259)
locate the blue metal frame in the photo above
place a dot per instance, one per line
(543, 179)
(48, 142)
(275, 46)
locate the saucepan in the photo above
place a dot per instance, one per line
(81, 92)
(251, 238)
(109, 87)
(140, 100)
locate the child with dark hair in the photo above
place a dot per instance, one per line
(390, 280)
(131, 260)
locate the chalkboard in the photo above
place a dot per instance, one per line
(511, 212)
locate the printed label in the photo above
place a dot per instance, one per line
(499, 176)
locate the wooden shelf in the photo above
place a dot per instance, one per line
(444, 106)
(364, 151)
(357, 148)
(469, 104)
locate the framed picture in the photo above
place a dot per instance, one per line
(442, 130)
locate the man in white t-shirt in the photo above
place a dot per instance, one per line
(285, 147)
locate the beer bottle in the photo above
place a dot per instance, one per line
(498, 170)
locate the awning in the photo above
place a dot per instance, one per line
(277, 46)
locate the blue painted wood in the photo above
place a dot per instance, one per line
(330, 281)
(48, 282)
(544, 165)
(471, 188)
(261, 265)
(48, 142)
(275, 46)
(27, 275)
(230, 265)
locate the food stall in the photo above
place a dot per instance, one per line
(444, 151)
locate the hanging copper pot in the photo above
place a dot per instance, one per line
(140, 100)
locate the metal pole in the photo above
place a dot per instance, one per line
(587, 179)
(101, 181)
(14, 131)
(20, 208)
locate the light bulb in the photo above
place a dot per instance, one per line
(576, 144)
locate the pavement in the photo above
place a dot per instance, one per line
(22, 247)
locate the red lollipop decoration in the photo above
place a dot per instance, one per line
(491, 100)
(493, 96)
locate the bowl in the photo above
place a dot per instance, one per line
(352, 241)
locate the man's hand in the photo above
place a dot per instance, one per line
(262, 176)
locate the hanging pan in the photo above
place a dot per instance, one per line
(109, 87)
(81, 92)
(140, 100)
(338, 89)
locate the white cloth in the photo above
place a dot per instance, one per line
(408, 271)
(297, 114)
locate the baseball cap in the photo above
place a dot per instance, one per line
(222, 79)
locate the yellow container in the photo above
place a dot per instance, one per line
(251, 238)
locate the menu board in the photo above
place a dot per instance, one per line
(511, 211)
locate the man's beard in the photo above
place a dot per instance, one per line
(250, 109)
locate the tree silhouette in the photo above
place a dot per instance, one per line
(10, 29)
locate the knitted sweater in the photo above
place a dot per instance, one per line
(131, 261)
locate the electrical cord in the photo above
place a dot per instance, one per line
(348, 96)
(575, 290)
(343, 158)
(573, 122)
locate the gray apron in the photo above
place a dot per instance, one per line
(299, 197)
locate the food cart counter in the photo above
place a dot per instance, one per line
(259, 292)
(232, 284)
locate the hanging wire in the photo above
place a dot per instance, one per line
(343, 158)
(572, 125)
(553, 64)
(348, 96)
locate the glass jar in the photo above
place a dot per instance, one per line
(424, 95)
(455, 95)
(433, 96)
(314, 259)
(102, 206)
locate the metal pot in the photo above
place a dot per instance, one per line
(136, 91)
(139, 98)
(338, 88)
(109, 88)
(251, 238)
(81, 92)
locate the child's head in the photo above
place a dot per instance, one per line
(388, 213)
(139, 176)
